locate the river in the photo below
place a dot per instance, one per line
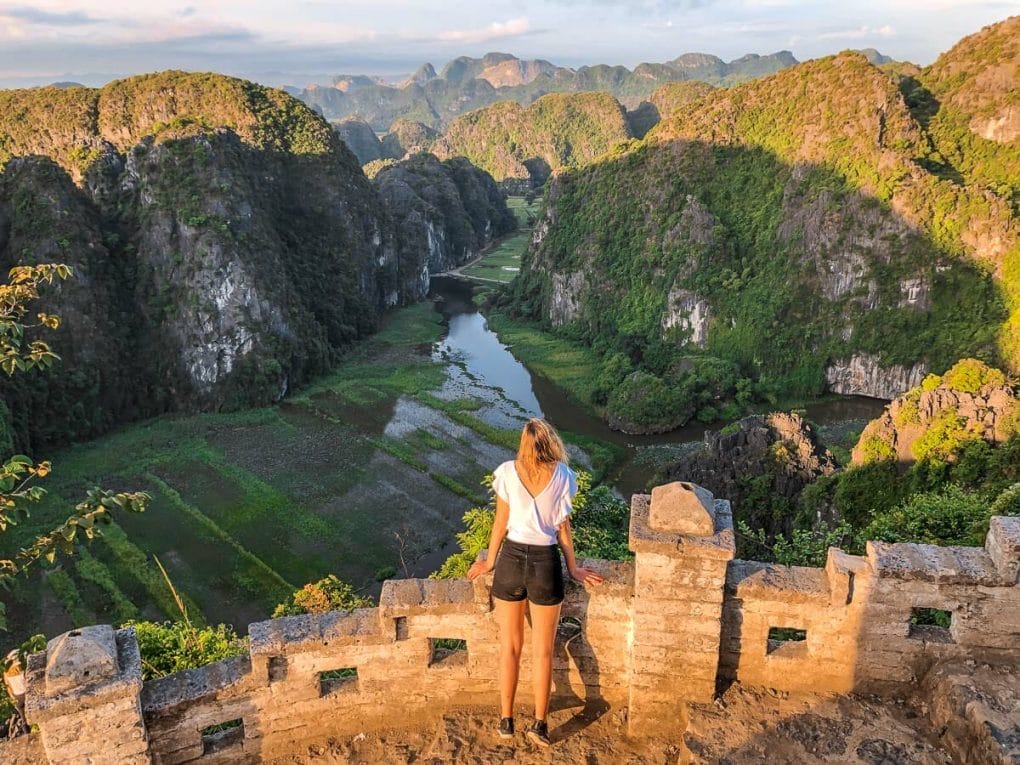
(484, 368)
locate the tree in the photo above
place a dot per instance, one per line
(19, 474)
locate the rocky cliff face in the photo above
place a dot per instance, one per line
(780, 449)
(799, 226)
(864, 375)
(446, 213)
(226, 244)
(360, 139)
(971, 401)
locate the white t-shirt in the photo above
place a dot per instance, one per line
(534, 520)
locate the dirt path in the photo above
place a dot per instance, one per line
(743, 728)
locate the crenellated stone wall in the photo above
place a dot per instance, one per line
(663, 631)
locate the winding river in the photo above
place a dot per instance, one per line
(484, 368)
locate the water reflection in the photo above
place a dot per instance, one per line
(484, 369)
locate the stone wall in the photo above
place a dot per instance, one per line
(664, 631)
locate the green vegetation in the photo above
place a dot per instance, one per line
(946, 496)
(599, 523)
(526, 144)
(750, 229)
(20, 475)
(502, 262)
(327, 594)
(175, 646)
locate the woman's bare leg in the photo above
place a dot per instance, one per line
(510, 618)
(544, 621)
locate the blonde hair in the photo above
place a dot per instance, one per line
(540, 445)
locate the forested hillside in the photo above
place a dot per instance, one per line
(526, 145)
(798, 231)
(226, 246)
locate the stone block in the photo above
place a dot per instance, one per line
(720, 545)
(220, 680)
(683, 507)
(295, 634)
(80, 658)
(1003, 546)
(401, 597)
(41, 706)
(930, 563)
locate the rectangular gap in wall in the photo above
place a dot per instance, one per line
(400, 627)
(786, 641)
(447, 652)
(568, 629)
(850, 588)
(931, 624)
(339, 680)
(218, 737)
(277, 668)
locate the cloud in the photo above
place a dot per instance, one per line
(497, 30)
(859, 33)
(41, 17)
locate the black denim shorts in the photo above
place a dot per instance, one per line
(528, 571)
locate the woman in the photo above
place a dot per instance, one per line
(534, 495)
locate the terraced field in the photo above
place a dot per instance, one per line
(363, 475)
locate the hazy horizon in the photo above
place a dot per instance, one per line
(312, 40)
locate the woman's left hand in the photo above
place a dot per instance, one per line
(586, 576)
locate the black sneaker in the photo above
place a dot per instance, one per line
(506, 727)
(539, 733)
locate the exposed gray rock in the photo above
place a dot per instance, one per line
(863, 375)
(565, 299)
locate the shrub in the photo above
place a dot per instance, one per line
(328, 594)
(876, 449)
(944, 437)
(175, 646)
(950, 516)
(970, 375)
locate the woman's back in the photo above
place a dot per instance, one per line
(538, 503)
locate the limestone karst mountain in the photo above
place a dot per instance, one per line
(228, 246)
(813, 225)
(466, 83)
(526, 144)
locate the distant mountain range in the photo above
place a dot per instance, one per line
(465, 84)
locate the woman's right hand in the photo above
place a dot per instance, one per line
(478, 568)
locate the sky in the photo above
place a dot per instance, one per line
(299, 41)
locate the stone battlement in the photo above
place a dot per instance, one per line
(662, 632)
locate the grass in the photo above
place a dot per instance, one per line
(502, 262)
(566, 363)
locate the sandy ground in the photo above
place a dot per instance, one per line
(741, 728)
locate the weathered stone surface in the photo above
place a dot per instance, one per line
(863, 375)
(643, 538)
(80, 658)
(1003, 545)
(929, 563)
(683, 507)
(220, 679)
(41, 706)
(793, 584)
(401, 597)
(295, 633)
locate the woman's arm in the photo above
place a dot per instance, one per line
(499, 524)
(580, 574)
